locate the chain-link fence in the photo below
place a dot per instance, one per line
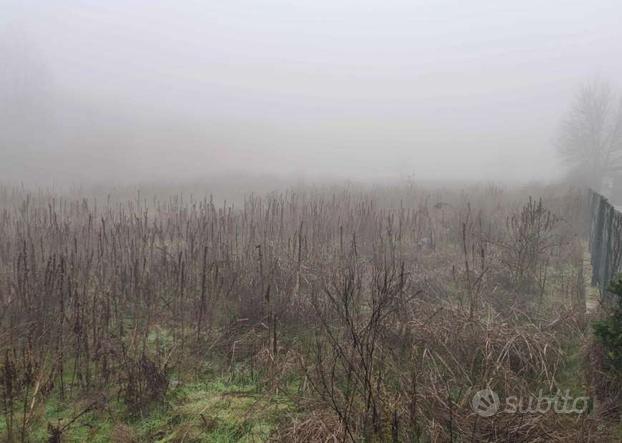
(605, 239)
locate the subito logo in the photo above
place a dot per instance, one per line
(485, 403)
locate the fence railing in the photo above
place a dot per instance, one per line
(605, 240)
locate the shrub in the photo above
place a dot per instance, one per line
(609, 330)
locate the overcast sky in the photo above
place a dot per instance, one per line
(142, 90)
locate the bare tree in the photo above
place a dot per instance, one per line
(590, 140)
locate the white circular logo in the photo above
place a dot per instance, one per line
(485, 403)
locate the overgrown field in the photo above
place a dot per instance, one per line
(313, 314)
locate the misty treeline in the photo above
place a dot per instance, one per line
(389, 306)
(50, 132)
(590, 138)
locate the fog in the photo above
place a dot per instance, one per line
(130, 91)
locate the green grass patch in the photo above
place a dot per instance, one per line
(218, 411)
(221, 410)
